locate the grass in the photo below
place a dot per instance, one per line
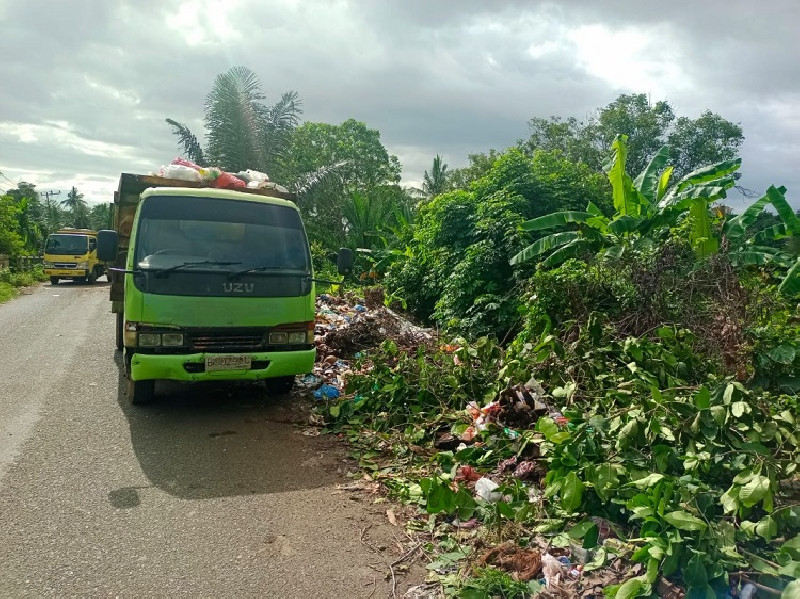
(10, 281)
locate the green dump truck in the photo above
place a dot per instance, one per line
(209, 284)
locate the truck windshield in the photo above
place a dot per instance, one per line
(218, 233)
(66, 244)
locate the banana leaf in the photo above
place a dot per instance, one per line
(625, 196)
(770, 233)
(623, 224)
(555, 219)
(709, 173)
(791, 283)
(663, 183)
(572, 250)
(647, 182)
(545, 244)
(700, 236)
(737, 226)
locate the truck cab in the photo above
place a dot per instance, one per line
(72, 254)
(209, 285)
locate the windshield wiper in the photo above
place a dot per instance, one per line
(237, 273)
(162, 272)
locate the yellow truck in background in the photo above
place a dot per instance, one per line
(72, 254)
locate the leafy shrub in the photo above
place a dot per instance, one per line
(456, 271)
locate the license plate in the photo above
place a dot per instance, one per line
(235, 362)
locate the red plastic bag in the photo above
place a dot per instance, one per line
(228, 181)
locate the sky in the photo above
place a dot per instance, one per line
(86, 85)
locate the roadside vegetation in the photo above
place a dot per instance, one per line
(618, 351)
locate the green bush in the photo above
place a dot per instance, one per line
(456, 270)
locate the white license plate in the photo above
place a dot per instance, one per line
(234, 362)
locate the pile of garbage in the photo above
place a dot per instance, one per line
(186, 170)
(345, 328)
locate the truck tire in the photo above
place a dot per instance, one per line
(119, 335)
(141, 392)
(91, 277)
(54, 280)
(279, 385)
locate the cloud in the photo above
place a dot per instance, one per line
(92, 81)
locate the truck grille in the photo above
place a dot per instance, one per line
(64, 264)
(226, 341)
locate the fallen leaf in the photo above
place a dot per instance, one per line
(392, 518)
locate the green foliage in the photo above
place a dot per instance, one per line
(455, 269)
(644, 209)
(402, 388)
(11, 242)
(693, 142)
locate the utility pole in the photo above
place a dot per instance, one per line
(47, 194)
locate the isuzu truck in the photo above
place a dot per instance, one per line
(209, 284)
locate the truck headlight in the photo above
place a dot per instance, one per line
(278, 338)
(172, 339)
(298, 338)
(82, 265)
(48, 265)
(149, 339)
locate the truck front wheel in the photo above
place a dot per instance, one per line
(141, 392)
(54, 280)
(91, 277)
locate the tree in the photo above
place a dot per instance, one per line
(705, 140)
(100, 217)
(53, 215)
(479, 165)
(77, 207)
(30, 215)
(362, 166)
(10, 240)
(242, 132)
(436, 182)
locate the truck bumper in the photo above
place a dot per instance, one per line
(66, 273)
(191, 367)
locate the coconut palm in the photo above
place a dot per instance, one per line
(77, 207)
(438, 180)
(243, 132)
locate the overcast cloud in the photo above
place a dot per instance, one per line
(85, 86)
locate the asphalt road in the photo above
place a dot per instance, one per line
(211, 491)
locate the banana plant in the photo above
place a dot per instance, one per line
(747, 245)
(642, 206)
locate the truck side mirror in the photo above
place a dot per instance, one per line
(107, 246)
(344, 261)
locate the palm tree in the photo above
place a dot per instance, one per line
(243, 132)
(436, 182)
(77, 207)
(53, 215)
(100, 217)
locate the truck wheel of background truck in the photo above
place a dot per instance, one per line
(54, 280)
(141, 392)
(120, 322)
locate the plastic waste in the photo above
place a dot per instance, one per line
(327, 391)
(180, 172)
(749, 591)
(553, 570)
(485, 488)
(226, 180)
(360, 308)
(257, 175)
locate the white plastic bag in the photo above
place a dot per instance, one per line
(257, 175)
(485, 489)
(180, 172)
